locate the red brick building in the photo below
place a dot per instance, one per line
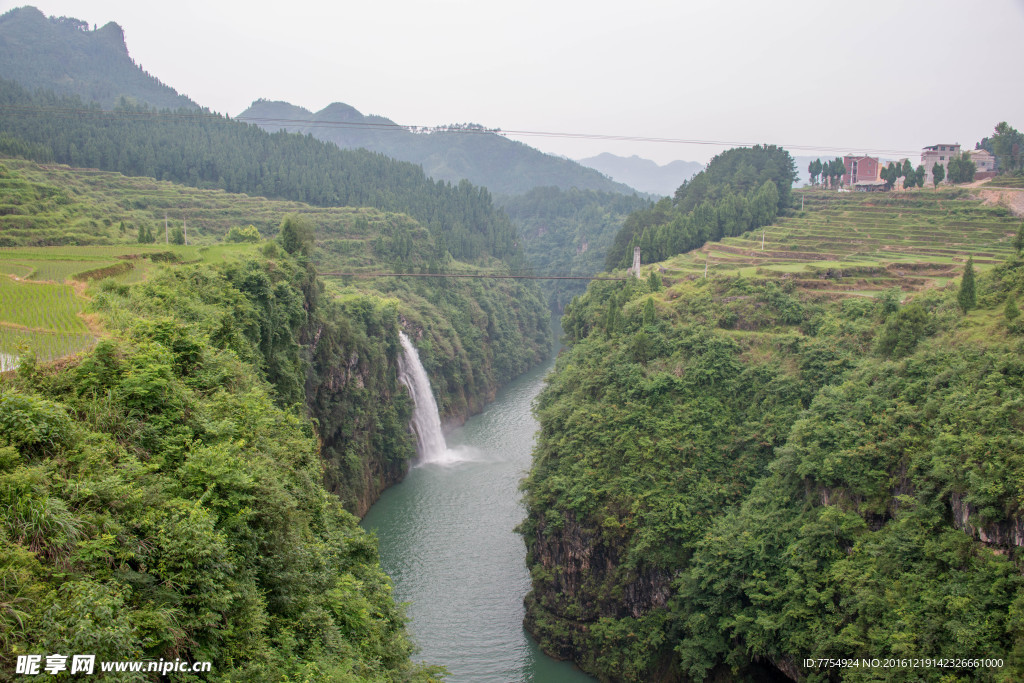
(860, 170)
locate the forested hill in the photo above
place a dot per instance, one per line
(568, 232)
(210, 151)
(741, 189)
(466, 151)
(63, 55)
(734, 472)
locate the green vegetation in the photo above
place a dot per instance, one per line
(961, 169)
(473, 335)
(967, 297)
(740, 189)
(568, 232)
(911, 177)
(196, 471)
(831, 172)
(737, 470)
(1007, 145)
(788, 457)
(863, 243)
(210, 151)
(163, 495)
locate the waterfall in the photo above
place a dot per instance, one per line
(426, 423)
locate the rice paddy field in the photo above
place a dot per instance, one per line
(44, 318)
(44, 290)
(856, 244)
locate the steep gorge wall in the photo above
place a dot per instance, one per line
(710, 504)
(472, 340)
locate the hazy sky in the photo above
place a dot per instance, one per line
(884, 75)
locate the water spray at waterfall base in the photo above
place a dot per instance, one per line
(426, 421)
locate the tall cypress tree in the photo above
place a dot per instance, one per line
(967, 298)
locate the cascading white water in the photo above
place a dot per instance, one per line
(426, 422)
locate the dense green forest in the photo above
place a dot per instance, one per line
(568, 232)
(734, 472)
(739, 190)
(163, 495)
(210, 151)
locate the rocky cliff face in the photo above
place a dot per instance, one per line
(578, 578)
(1002, 536)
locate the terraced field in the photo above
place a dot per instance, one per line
(855, 244)
(48, 205)
(44, 318)
(62, 229)
(42, 291)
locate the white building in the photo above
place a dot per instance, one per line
(937, 154)
(984, 161)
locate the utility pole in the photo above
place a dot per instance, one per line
(184, 229)
(167, 237)
(706, 259)
(762, 240)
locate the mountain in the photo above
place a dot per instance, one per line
(61, 54)
(455, 152)
(644, 174)
(214, 152)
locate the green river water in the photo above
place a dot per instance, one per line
(447, 540)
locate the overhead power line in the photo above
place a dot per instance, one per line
(487, 276)
(460, 129)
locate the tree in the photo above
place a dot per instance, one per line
(967, 297)
(890, 174)
(938, 174)
(907, 172)
(961, 169)
(1018, 241)
(1010, 310)
(919, 176)
(902, 331)
(649, 313)
(655, 281)
(297, 235)
(247, 234)
(1007, 145)
(839, 169)
(814, 170)
(177, 236)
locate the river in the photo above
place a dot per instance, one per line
(447, 540)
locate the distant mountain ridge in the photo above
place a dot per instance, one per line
(501, 165)
(644, 174)
(61, 54)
